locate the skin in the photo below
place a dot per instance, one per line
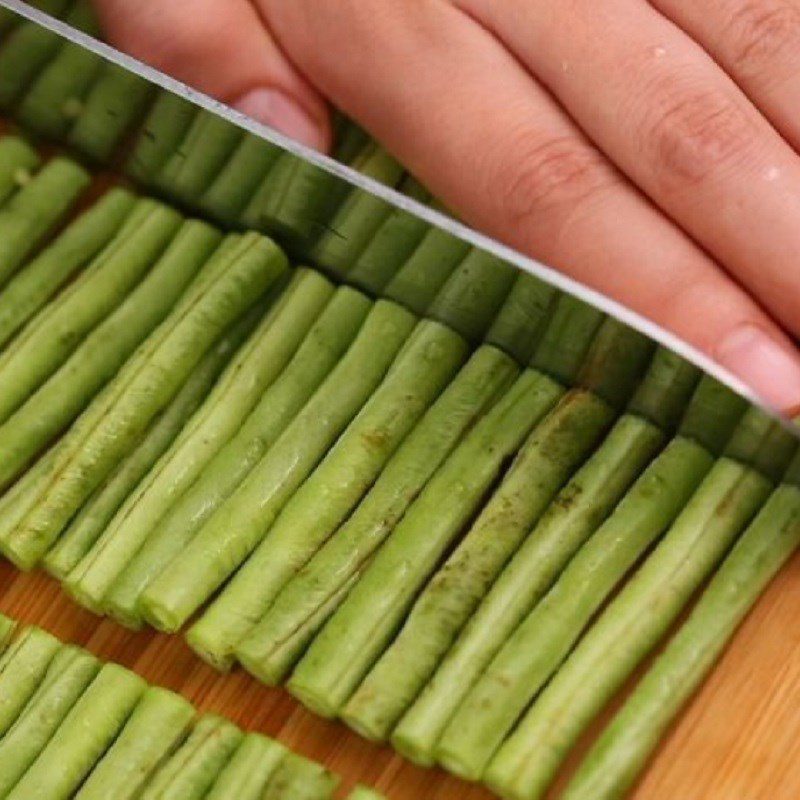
(686, 212)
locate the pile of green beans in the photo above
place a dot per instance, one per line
(74, 727)
(432, 496)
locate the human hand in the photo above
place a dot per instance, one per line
(649, 149)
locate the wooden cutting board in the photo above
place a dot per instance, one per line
(738, 740)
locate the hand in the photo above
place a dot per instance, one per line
(649, 149)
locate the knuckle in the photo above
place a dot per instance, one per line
(759, 32)
(544, 175)
(692, 134)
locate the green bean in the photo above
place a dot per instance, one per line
(70, 389)
(557, 446)
(542, 641)
(628, 628)
(255, 368)
(473, 294)
(364, 793)
(93, 518)
(524, 315)
(55, 99)
(22, 667)
(17, 501)
(192, 769)
(391, 246)
(247, 773)
(421, 277)
(53, 336)
(238, 525)
(319, 353)
(85, 734)
(297, 778)
(190, 169)
(235, 184)
(421, 371)
(305, 603)
(162, 132)
(7, 629)
(38, 281)
(113, 105)
(70, 672)
(357, 219)
(182, 340)
(18, 160)
(153, 732)
(28, 218)
(361, 628)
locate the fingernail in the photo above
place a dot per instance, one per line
(770, 367)
(280, 111)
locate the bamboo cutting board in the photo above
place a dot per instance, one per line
(738, 740)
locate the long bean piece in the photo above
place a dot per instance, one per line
(319, 353)
(255, 368)
(39, 280)
(85, 734)
(721, 508)
(239, 524)
(18, 160)
(70, 672)
(360, 630)
(93, 518)
(33, 212)
(305, 603)
(153, 732)
(144, 390)
(98, 358)
(297, 778)
(249, 770)
(423, 368)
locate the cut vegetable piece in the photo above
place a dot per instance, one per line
(543, 640)
(114, 104)
(249, 770)
(427, 270)
(154, 730)
(55, 100)
(319, 353)
(162, 132)
(557, 446)
(473, 294)
(357, 218)
(238, 525)
(144, 389)
(22, 667)
(392, 244)
(192, 769)
(93, 518)
(362, 627)
(38, 281)
(421, 371)
(17, 501)
(712, 415)
(254, 368)
(32, 213)
(18, 160)
(523, 317)
(98, 358)
(238, 180)
(7, 628)
(638, 617)
(297, 778)
(58, 330)
(364, 793)
(191, 168)
(305, 603)
(85, 734)
(69, 673)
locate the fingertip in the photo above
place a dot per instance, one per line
(771, 367)
(285, 114)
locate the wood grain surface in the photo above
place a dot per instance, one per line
(738, 740)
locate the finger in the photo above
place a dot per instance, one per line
(222, 48)
(467, 119)
(758, 43)
(659, 106)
